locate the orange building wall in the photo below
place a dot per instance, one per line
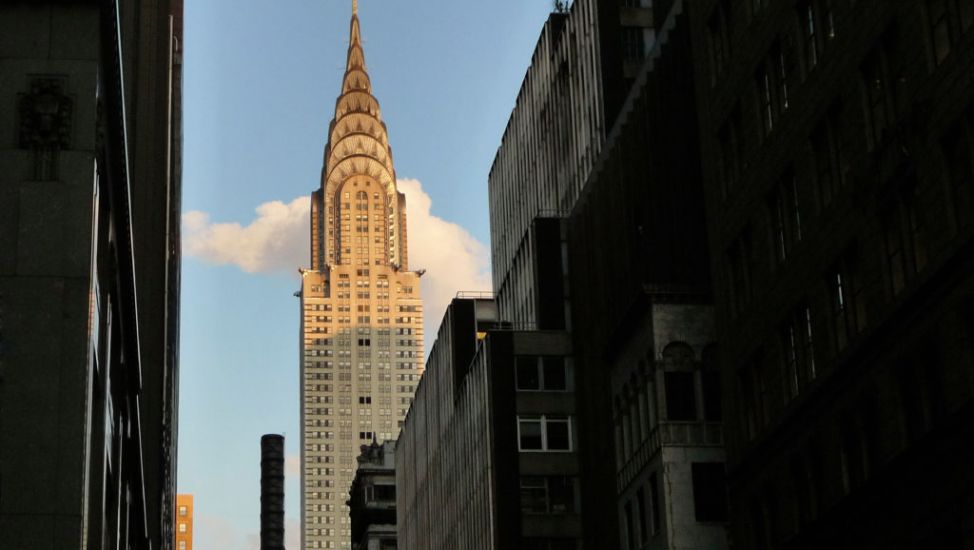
(184, 516)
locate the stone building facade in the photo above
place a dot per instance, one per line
(90, 111)
(361, 313)
(837, 146)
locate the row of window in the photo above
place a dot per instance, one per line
(832, 465)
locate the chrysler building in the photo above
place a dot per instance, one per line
(361, 313)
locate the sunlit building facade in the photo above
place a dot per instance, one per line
(361, 313)
(184, 522)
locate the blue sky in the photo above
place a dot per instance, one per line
(261, 80)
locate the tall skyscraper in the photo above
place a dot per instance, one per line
(361, 314)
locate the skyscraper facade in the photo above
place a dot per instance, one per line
(361, 313)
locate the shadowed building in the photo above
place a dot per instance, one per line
(487, 456)
(90, 111)
(837, 146)
(372, 498)
(361, 313)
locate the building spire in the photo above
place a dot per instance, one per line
(355, 8)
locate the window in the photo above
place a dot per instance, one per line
(827, 156)
(847, 302)
(786, 216)
(183, 511)
(546, 373)
(818, 28)
(740, 266)
(641, 520)
(947, 20)
(680, 396)
(533, 543)
(631, 542)
(876, 85)
(544, 433)
(958, 150)
(709, 491)
(632, 43)
(904, 238)
(729, 152)
(920, 380)
(797, 351)
(654, 503)
(773, 78)
(548, 495)
(717, 40)
(182, 527)
(182, 545)
(712, 410)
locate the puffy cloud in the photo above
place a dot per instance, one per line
(453, 259)
(277, 241)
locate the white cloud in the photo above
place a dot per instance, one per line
(278, 241)
(453, 259)
(292, 465)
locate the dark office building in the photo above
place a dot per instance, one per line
(837, 145)
(89, 273)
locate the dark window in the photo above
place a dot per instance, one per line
(729, 152)
(904, 238)
(712, 410)
(529, 433)
(740, 262)
(959, 154)
(547, 495)
(818, 28)
(680, 400)
(632, 43)
(631, 542)
(766, 100)
(786, 216)
(920, 378)
(641, 502)
(717, 41)
(798, 352)
(527, 373)
(558, 433)
(948, 20)
(654, 503)
(845, 296)
(829, 163)
(709, 491)
(554, 373)
(876, 84)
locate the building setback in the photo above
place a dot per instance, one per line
(90, 111)
(837, 147)
(487, 456)
(361, 313)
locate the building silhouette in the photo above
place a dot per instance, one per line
(837, 148)
(361, 313)
(90, 133)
